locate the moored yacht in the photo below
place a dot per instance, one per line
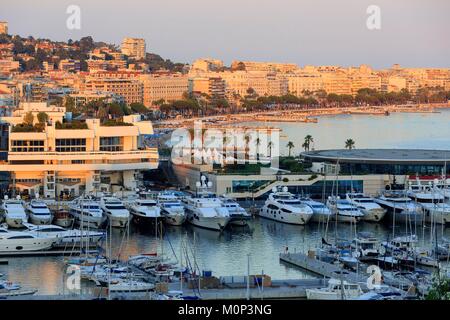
(320, 211)
(283, 206)
(432, 201)
(39, 212)
(14, 212)
(116, 212)
(19, 241)
(87, 212)
(144, 211)
(336, 290)
(372, 211)
(343, 210)
(239, 216)
(69, 238)
(204, 209)
(400, 208)
(171, 208)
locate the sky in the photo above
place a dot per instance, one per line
(413, 33)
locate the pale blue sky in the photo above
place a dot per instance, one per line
(413, 32)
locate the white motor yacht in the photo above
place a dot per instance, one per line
(87, 212)
(144, 211)
(14, 212)
(336, 290)
(283, 206)
(116, 212)
(239, 216)
(343, 211)
(320, 211)
(67, 238)
(372, 211)
(39, 212)
(204, 209)
(19, 241)
(171, 208)
(400, 208)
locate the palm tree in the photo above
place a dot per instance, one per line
(290, 145)
(308, 140)
(349, 144)
(270, 146)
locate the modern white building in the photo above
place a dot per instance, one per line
(60, 159)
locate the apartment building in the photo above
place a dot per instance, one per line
(214, 87)
(207, 65)
(69, 65)
(336, 82)
(129, 89)
(169, 86)
(8, 65)
(263, 83)
(3, 27)
(134, 48)
(94, 158)
(298, 83)
(264, 66)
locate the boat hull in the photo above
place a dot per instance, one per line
(212, 223)
(40, 220)
(174, 220)
(118, 222)
(26, 245)
(15, 222)
(289, 218)
(373, 215)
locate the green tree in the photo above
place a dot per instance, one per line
(138, 108)
(42, 117)
(307, 144)
(290, 145)
(349, 144)
(28, 118)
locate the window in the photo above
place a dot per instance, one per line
(70, 145)
(27, 145)
(111, 144)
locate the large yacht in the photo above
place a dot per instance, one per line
(320, 211)
(66, 238)
(372, 211)
(14, 212)
(432, 201)
(116, 212)
(283, 206)
(239, 216)
(87, 212)
(400, 208)
(204, 209)
(343, 211)
(39, 212)
(144, 211)
(19, 241)
(171, 208)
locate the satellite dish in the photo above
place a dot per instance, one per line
(203, 178)
(18, 197)
(137, 189)
(198, 184)
(5, 197)
(209, 184)
(285, 189)
(274, 189)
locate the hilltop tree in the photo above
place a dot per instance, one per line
(308, 140)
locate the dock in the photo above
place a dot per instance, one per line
(329, 270)
(42, 253)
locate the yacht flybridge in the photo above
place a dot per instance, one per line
(204, 209)
(400, 208)
(283, 206)
(87, 212)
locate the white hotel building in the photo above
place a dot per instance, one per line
(77, 161)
